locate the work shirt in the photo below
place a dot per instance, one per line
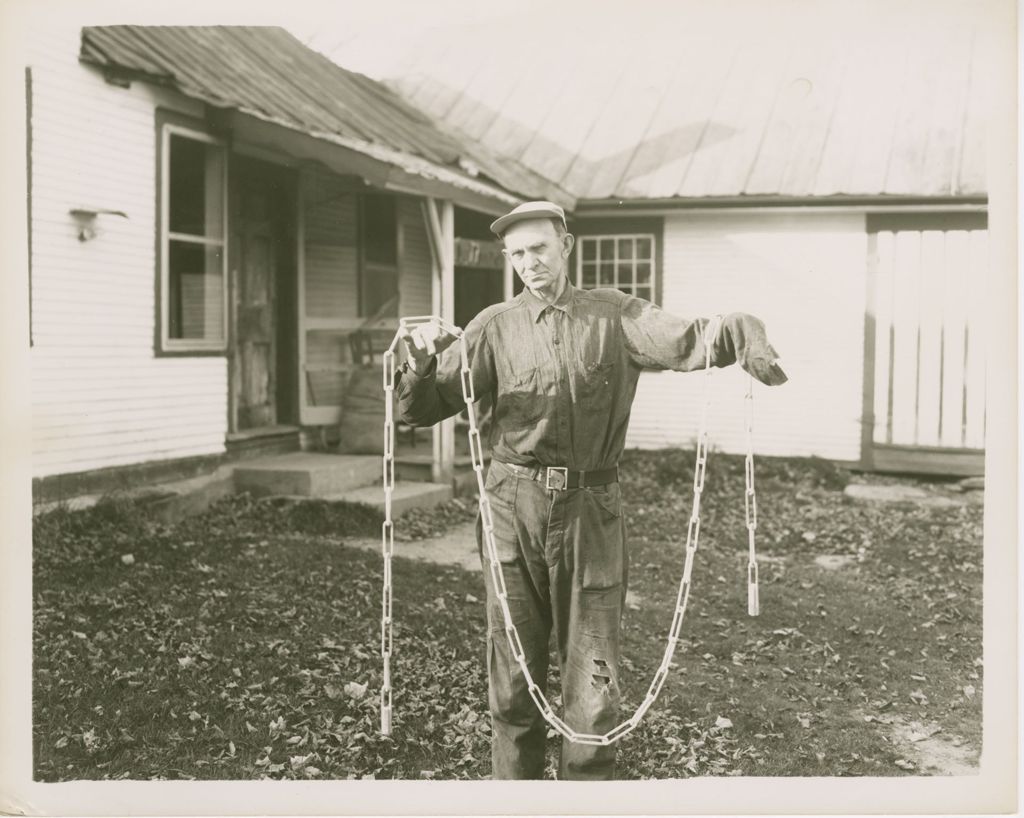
(563, 376)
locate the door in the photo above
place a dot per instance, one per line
(262, 247)
(925, 369)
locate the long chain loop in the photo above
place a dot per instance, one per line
(487, 524)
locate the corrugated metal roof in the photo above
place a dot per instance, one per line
(267, 73)
(776, 100)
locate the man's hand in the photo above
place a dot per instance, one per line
(425, 341)
(753, 352)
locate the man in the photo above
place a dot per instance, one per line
(562, 364)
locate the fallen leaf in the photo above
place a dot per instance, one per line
(922, 735)
(355, 690)
(969, 691)
(128, 559)
(903, 764)
(333, 691)
(723, 723)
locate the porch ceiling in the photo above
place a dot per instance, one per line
(267, 74)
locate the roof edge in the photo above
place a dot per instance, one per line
(606, 207)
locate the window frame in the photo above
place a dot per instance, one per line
(615, 238)
(167, 127)
(368, 267)
(598, 227)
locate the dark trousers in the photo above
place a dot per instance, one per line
(565, 567)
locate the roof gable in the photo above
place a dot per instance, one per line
(267, 73)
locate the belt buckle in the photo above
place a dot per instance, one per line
(557, 478)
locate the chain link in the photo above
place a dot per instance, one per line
(511, 633)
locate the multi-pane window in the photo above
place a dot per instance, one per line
(625, 261)
(193, 282)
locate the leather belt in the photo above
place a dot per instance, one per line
(559, 478)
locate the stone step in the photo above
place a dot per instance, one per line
(307, 474)
(406, 496)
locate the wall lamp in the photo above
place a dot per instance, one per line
(85, 218)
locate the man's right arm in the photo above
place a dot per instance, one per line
(433, 391)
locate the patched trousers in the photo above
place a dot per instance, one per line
(564, 561)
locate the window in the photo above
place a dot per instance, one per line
(625, 261)
(193, 280)
(378, 279)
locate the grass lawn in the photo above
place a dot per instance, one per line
(244, 643)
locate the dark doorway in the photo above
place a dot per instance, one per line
(264, 351)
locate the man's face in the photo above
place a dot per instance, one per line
(538, 254)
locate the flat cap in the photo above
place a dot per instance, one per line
(527, 210)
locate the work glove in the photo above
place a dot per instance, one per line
(746, 335)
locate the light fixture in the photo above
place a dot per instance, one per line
(85, 218)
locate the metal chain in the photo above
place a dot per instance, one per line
(487, 524)
(750, 503)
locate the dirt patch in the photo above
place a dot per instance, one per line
(833, 562)
(456, 547)
(931, 750)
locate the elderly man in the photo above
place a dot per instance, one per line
(562, 364)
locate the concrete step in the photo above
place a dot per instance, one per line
(307, 474)
(406, 496)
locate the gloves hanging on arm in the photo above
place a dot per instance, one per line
(744, 340)
(660, 340)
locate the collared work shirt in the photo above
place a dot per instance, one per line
(563, 376)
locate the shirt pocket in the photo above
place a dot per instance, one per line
(596, 387)
(520, 402)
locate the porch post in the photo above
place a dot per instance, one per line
(508, 277)
(441, 227)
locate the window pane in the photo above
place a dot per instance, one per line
(643, 272)
(196, 292)
(625, 248)
(589, 249)
(589, 278)
(380, 292)
(643, 248)
(380, 229)
(607, 277)
(643, 292)
(196, 188)
(607, 249)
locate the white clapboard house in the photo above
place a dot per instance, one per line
(225, 225)
(224, 228)
(822, 167)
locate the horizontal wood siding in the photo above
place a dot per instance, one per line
(804, 276)
(417, 265)
(331, 234)
(101, 397)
